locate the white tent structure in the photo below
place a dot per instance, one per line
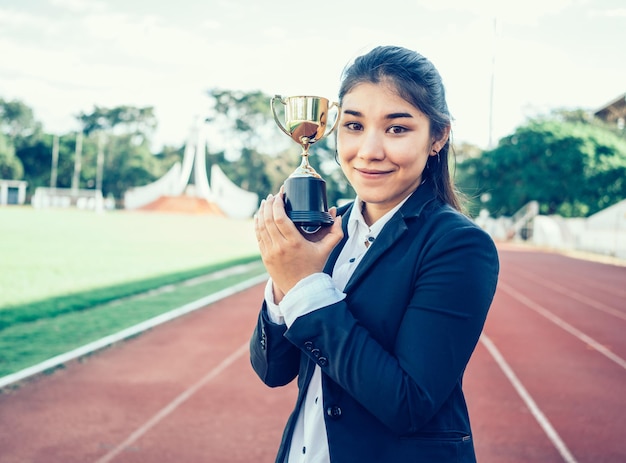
(232, 200)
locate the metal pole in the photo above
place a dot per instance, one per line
(55, 161)
(100, 162)
(492, 84)
(77, 162)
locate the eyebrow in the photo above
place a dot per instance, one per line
(388, 116)
(397, 115)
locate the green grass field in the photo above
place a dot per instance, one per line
(46, 253)
(61, 269)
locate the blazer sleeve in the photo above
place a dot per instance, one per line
(406, 385)
(274, 359)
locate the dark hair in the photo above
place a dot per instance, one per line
(418, 82)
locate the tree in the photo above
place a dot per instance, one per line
(168, 156)
(570, 168)
(463, 172)
(17, 121)
(127, 165)
(26, 152)
(244, 113)
(10, 165)
(128, 160)
(243, 119)
(36, 156)
(17, 126)
(127, 120)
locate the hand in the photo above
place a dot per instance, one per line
(287, 254)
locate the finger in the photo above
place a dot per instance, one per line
(336, 228)
(259, 225)
(335, 234)
(271, 229)
(283, 223)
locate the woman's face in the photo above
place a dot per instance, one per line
(383, 143)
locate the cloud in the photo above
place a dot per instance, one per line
(79, 6)
(12, 21)
(211, 24)
(527, 12)
(609, 13)
(67, 55)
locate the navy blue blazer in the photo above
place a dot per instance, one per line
(393, 352)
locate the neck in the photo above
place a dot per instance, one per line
(369, 215)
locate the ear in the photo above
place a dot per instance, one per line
(440, 142)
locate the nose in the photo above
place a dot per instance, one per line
(371, 147)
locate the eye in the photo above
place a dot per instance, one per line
(353, 126)
(396, 129)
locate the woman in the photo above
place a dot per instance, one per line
(378, 315)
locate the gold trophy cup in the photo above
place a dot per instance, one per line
(305, 191)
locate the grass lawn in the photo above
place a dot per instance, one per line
(63, 272)
(55, 252)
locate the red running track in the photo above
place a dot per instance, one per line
(547, 382)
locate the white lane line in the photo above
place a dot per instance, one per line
(174, 404)
(563, 324)
(574, 295)
(128, 332)
(528, 400)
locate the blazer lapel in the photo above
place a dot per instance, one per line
(391, 232)
(334, 255)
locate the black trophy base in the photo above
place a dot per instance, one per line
(305, 203)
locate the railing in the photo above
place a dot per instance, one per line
(522, 221)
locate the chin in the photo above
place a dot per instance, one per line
(373, 199)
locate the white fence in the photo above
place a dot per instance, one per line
(602, 233)
(68, 197)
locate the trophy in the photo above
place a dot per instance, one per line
(305, 190)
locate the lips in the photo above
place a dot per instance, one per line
(372, 173)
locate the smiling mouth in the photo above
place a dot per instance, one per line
(372, 173)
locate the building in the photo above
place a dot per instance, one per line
(614, 112)
(12, 192)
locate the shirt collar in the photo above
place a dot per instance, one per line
(358, 226)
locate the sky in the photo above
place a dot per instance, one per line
(499, 63)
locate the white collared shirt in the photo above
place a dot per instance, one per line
(309, 443)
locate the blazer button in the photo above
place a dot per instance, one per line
(315, 353)
(308, 345)
(322, 361)
(334, 411)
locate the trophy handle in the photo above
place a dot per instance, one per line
(284, 103)
(336, 105)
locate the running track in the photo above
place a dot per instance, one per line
(547, 382)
